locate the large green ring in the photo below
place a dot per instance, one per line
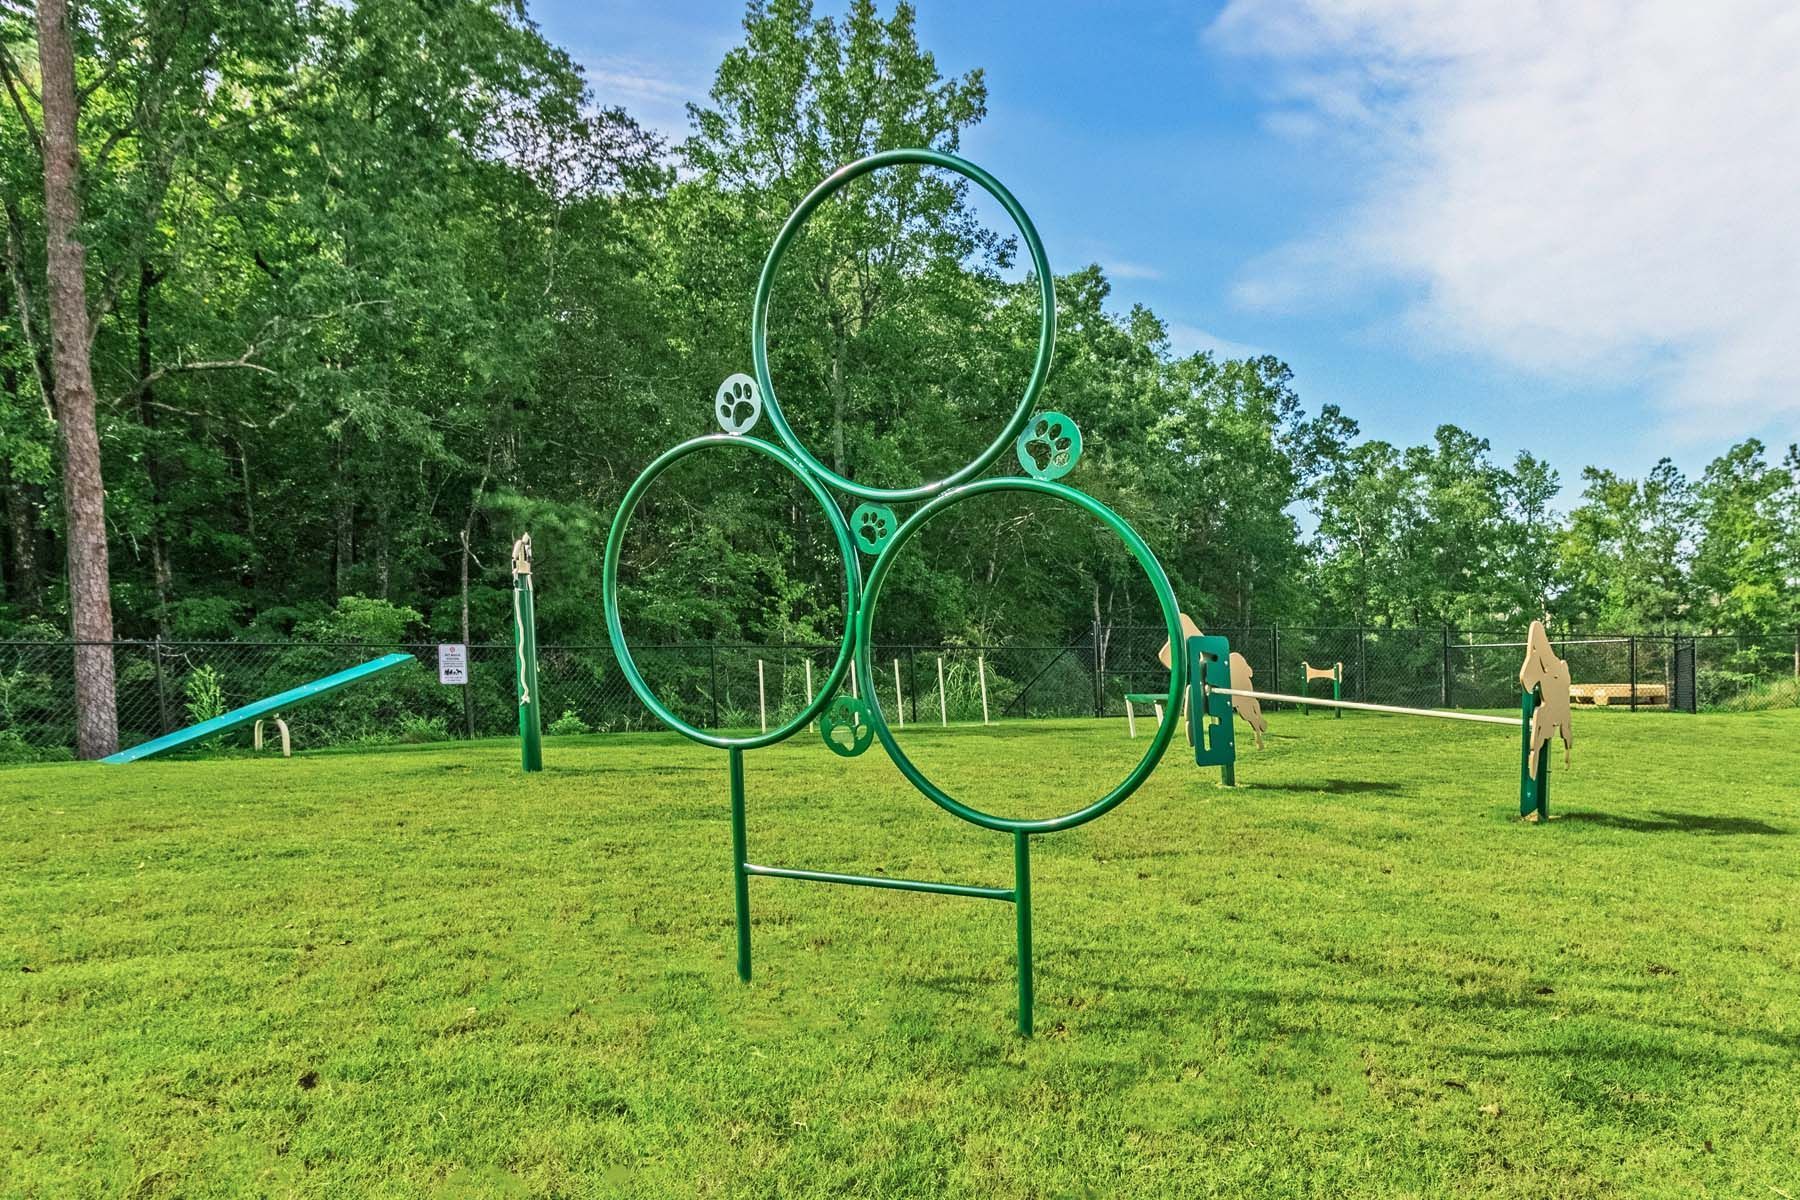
(759, 321)
(615, 632)
(1165, 596)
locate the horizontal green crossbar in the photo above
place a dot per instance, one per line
(881, 881)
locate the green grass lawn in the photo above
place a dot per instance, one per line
(418, 973)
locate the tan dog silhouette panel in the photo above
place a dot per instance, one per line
(1246, 707)
(1550, 674)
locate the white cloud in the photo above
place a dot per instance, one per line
(655, 94)
(1604, 187)
(1191, 339)
(1118, 268)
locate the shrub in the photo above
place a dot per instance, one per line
(569, 723)
(414, 729)
(15, 749)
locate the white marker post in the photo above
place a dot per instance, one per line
(809, 682)
(981, 670)
(762, 699)
(943, 708)
(853, 692)
(899, 699)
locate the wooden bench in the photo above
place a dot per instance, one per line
(1603, 694)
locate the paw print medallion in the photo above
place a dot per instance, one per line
(738, 404)
(845, 727)
(872, 525)
(1049, 446)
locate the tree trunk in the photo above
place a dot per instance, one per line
(84, 491)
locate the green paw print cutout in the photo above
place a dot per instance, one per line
(1049, 446)
(872, 525)
(845, 727)
(737, 404)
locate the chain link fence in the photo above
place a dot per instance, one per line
(163, 686)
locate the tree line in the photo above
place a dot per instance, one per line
(306, 303)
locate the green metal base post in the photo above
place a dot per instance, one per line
(1022, 914)
(739, 876)
(531, 736)
(1534, 794)
(1337, 693)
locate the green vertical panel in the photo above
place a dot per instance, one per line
(1215, 742)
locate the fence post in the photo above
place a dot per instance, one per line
(1634, 672)
(762, 698)
(1797, 652)
(1275, 656)
(1099, 685)
(712, 648)
(912, 680)
(468, 698)
(1362, 665)
(899, 696)
(981, 670)
(162, 695)
(1446, 676)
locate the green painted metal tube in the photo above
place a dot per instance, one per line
(882, 881)
(1022, 915)
(1534, 794)
(740, 877)
(1159, 583)
(765, 285)
(609, 591)
(531, 731)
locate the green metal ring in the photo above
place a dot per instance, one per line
(1165, 596)
(759, 320)
(610, 592)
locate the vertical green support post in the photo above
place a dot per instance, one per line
(1337, 689)
(1022, 914)
(531, 736)
(739, 877)
(1210, 714)
(1534, 794)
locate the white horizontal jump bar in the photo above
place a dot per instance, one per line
(1509, 722)
(1553, 642)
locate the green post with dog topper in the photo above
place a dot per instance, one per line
(531, 732)
(1047, 446)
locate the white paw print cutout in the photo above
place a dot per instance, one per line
(738, 404)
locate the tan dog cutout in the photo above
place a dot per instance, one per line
(1246, 707)
(1550, 675)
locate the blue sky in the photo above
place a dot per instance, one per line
(1566, 226)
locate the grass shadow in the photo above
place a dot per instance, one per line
(1330, 787)
(1678, 822)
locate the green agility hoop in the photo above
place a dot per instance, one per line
(615, 631)
(759, 321)
(1165, 596)
(875, 530)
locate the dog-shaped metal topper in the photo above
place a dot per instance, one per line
(1550, 676)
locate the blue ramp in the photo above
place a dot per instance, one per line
(261, 708)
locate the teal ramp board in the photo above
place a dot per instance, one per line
(261, 708)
